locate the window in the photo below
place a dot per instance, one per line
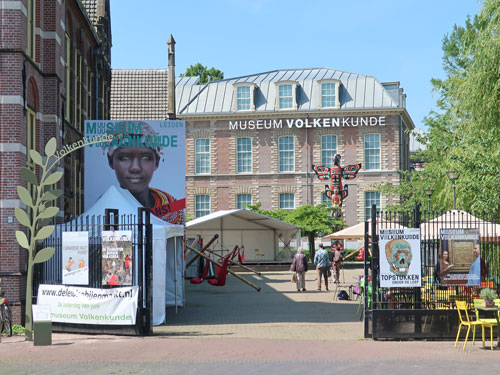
(328, 150)
(31, 43)
(371, 197)
(30, 142)
(285, 97)
(372, 151)
(202, 156)
(325, 199)
(328, 95)
(243, 98)
(67, 110)
(242, 200)
(286, 154)
(202, 205)
(287, 201)
(244, 155)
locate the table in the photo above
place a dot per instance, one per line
(495, 310)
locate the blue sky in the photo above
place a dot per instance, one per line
(392, 40)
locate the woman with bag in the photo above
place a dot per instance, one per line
(299, 267)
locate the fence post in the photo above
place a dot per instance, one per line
(146, 276)
(375, 268)
(418, 295)
(365, 289)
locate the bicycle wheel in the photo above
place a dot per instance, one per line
(6, 320)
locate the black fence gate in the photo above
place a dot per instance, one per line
(426, 312)
(50, 272)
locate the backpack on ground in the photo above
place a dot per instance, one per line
(343, 295)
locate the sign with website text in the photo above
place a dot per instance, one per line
(117, 306)
(400, 264)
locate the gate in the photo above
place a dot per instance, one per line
(50, 272)
(426, 312)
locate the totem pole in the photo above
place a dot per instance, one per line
(336, 191)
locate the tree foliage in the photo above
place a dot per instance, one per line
(314, 221)
(464, 134)
(204, 73)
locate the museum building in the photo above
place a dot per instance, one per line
(55, 73)
(256, 138)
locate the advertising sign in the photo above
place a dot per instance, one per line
(460, 257)
(146, 158)
(75, 258)
(400, 264)
(117, 257)
(88, 305)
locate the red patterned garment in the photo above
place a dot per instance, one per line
(167, 208)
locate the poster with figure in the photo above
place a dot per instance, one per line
(399, 254)
(117, 258)
(75, 258)
(145, 158)
(459, 257)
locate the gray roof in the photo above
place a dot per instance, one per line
(357, 91)
(142, 94)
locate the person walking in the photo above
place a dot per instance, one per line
(337, 261)
(322, 263)
(299, 266)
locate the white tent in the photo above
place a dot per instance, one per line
(167, 246)
(259, 234)
(358, 231)
(458, 219)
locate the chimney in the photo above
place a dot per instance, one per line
(171, 78)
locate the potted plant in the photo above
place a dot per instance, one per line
(488, 295)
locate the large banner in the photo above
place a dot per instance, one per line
(75, 258)
(400, 264)
(90, 306)
(117, 257)
(460, 257)
(145, 157)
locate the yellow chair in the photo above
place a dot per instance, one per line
(478, 302)
(463, 315)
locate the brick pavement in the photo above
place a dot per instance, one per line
(235, 329)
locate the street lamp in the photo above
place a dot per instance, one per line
(428, 192)
(453, 176)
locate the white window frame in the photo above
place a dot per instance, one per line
(371, 152)
(335, 82)
(202, 164)
(241, 167)
(294, 86)
(201, 208)
(325, 160)
(371, 197)
(284, 152)
(239, 202)
(236, 107)
(282, 201)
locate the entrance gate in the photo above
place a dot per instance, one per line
(427, 312)
(50, 272)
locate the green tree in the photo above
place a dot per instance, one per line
(464, 134)
(204, 73)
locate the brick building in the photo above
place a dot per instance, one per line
(55, 72)
(255, 138)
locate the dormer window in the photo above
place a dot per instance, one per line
(329, 94)
(244, 97)
(286, 95)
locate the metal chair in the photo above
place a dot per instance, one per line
(463, 315)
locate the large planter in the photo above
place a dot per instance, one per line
(487, 303)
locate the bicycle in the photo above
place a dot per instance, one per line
(5, 316)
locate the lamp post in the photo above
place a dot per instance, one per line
(453, 176)
(428, 192)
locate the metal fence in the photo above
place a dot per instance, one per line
(50, 272)
(428, 311)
